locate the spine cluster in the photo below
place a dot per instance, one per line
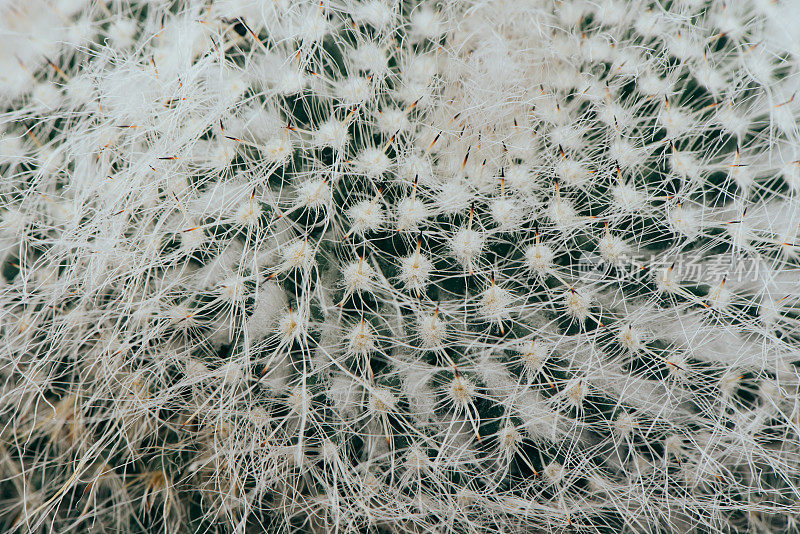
(399, 266)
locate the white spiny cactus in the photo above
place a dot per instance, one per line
(399, 266)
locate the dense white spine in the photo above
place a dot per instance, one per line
(350, 265)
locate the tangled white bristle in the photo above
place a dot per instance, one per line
(495, 303)
(432, 331)
(297, 255)
(292, 326)
(578, 303)
(685, 221)
(666, 280)
(624, 424)
(539, 258)
(315, 194)
(382, 400)
(411, 212)
(454, 197)
(461, 390)
(613, 249)
(554, 473)
(233, 289)
(415, 271)
(719, 297)
(366, 216)
(562, 213)
(373, 162)
(507, 214)
(627, 198)
(535, 355)
(467, 245)
(278, 149)
(358, 276)
(333, 134)
(630, 337)
(407, 266)
(361, 338)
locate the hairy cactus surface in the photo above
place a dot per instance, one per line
(472, 266)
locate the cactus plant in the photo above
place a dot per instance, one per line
(399, 266)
